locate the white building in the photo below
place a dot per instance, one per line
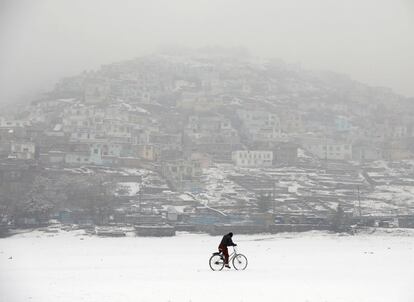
(261, 125)
(329, 150)
(22, 150)
(247, 158)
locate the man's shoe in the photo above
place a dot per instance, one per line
(226, 265)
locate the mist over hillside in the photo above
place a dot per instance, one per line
(267, 77)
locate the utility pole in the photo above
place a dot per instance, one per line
(140, 197)
(274, 198)
(359, 204)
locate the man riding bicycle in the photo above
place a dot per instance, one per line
(225, 242)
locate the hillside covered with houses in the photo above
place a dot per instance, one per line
(208, 141)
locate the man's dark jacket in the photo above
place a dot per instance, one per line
(226, 241)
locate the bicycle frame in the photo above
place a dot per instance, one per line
(232, 255)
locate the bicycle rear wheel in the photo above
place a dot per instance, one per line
(240, 262)
(216, 263)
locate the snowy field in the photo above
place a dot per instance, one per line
(308, 267)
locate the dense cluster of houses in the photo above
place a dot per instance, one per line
(177, 115)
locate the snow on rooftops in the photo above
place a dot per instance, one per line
(132, 188)
(187, 197)
(132, 108)
(58, 127)
(67, 100)
(138, 172)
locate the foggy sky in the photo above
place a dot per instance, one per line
(43, 40)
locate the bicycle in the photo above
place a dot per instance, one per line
(239, 261)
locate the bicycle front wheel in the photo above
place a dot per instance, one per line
(216, 263)
(240, 262)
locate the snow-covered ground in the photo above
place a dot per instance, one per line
(307, 267)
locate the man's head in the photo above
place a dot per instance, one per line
(231, 234)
